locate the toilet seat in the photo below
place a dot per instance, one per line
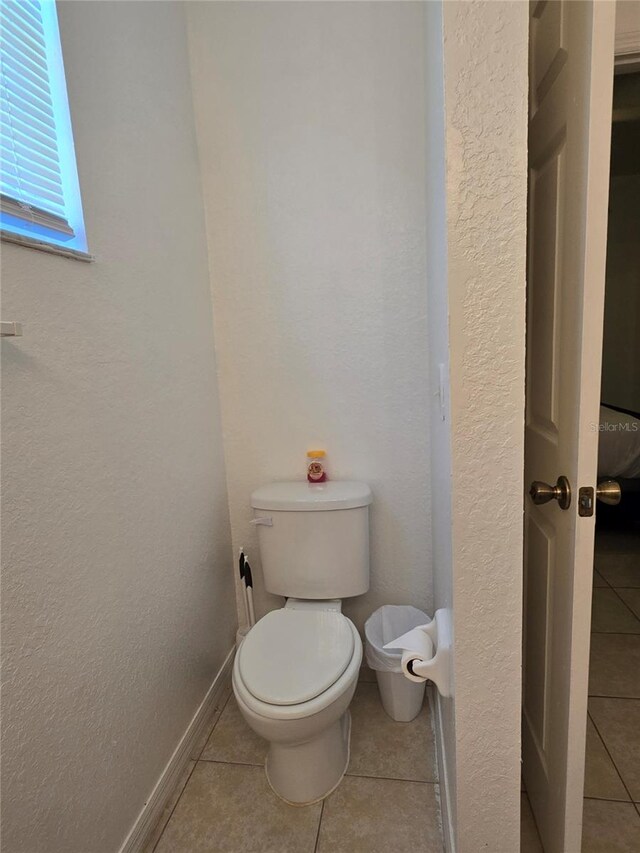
(291, 656)
(305, 708)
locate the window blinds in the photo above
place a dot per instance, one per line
(31, 185)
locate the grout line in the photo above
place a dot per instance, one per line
(609, 800)
(610, 696)
(232, 763)
(354, 775)
(615, 766)
(390, 779)
(184, 787)
(215, 723)
(629, 608)
(535, 822)
(351, 775)
(602, 577)
(315, 846)
(223, 709)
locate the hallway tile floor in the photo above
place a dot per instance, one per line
(612, 773)
(388, 801)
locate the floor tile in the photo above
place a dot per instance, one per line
(232, 739)
(171, 803)
(614, 668)
(229, 808)
(619, 569)
(618, 721)
(610, 614)
(382, 747)
(610, 827)
(601, 779)
(598, 580)
(215, 716)
(380, 816)
(529, 838)
(631, 598)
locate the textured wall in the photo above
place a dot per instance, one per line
(485, 61)
(311, 123)
(117, 595)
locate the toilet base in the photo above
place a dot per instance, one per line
(305, 773)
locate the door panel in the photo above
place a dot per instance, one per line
(543, 329)
(539, 588)
(548, 47)
(571, 78)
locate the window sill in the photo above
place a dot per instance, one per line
(41, 246)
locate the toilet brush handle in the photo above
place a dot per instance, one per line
(248, 580)
(252, 615)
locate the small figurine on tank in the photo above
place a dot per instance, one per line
(316, 466)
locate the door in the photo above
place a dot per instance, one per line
(571, 79)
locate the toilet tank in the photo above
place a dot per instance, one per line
(314, 538)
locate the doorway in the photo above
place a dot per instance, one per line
(611, 813)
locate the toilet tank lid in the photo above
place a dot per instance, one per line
(302, 496)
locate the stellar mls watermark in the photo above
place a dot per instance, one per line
(616, 426)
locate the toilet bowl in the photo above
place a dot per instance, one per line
(293, 678)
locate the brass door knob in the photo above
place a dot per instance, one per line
(609, 492)
(542, 493)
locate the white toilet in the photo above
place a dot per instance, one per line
(295, 673)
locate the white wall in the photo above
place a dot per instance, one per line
(482, 255)
(117, 593)
(311, 130)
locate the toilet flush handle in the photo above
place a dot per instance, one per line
(262, 520)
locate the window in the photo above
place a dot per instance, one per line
(39, 192)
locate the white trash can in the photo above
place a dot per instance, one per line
(402, 699)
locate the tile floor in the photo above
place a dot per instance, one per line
(612, 773)
(388, 801)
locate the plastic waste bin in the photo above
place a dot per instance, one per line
(402, 699)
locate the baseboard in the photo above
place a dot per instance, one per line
(164, 787)
(448, 833)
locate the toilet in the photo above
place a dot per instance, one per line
(296, 671)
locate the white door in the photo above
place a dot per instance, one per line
(571, 80)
